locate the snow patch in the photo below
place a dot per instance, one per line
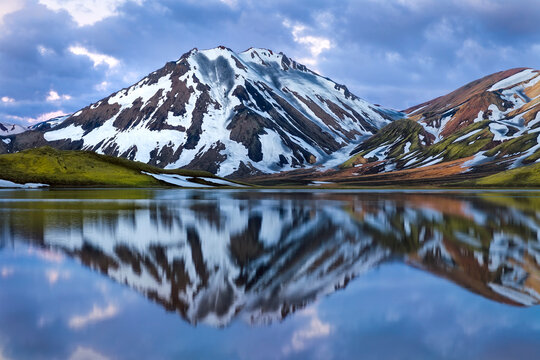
(461, 138)
(178, 180)
(514, 79)
(10, 184)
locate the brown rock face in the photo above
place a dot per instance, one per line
(461, 95)
(245, 127)
(468, 112)
(465, 104)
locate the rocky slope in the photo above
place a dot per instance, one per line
(11, 129)
(225, 112)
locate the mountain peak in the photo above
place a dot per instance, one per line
(229, 113)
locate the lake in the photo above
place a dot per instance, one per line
(205, 274)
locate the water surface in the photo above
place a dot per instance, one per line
(169, 274)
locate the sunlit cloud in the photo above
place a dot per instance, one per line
(7, 100)
(40, 118)
(314, 44)
(95, 57)
(8, 7)
(2, 356)
(54, 96)
(95, 315)
(88, 12)
(47, 255)
(53, 275)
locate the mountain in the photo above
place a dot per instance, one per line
(49, 124)
(216, 256)
(486, 127)
(235, 114)
(493, 121)
(10, 129)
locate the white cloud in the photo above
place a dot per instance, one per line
(8, 7)
(84, 353)
(102, 86)
(40, 118)
(54, 96)
(44, 50)
(88, 12)
(96, 58)
(7, 100)
(313, 330)
(97, 314)
(314, 44)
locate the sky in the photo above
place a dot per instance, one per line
(57, 56)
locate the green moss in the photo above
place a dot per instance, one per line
(451, 149)
(527, 176)
(81, 168)
(514, 146)
(397, 134)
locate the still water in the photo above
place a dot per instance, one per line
(181, 274)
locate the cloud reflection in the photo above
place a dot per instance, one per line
(97, 314)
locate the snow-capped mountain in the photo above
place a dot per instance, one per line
(216, 256)
(225, 112)
(49, 124)
(489, 125)
(11, 129)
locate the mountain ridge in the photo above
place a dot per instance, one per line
(260, 114)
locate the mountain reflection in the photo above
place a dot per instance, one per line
(214, 256)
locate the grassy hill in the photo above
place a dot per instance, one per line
(526, 176)
(82, 168)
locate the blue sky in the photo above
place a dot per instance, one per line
(57, 56)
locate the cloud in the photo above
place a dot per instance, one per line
(54, 96)
(314, 44)
(314, 329)
(231, 3)
(8, 7)
(84, 353)
(47, 255)
(96, 57)
(36, 120)
(95, 315)
(88, 12)
(44, 50)
(53, 275)
(7, 99)
(102, 86)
